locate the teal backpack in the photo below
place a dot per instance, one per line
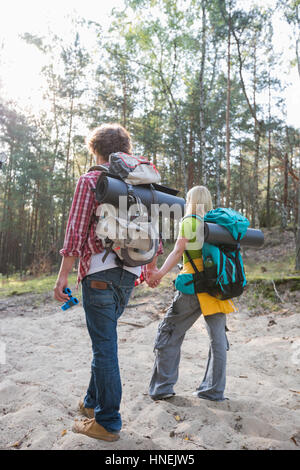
(223, 276)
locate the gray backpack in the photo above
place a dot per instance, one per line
(128, 231)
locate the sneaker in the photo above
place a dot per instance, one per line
(88, 412)
(91, 428)
(195, 394)
(163, 396)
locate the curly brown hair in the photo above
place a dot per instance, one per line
(109, 138)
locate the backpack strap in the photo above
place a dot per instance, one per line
(185, 251)
(108, 249)
(192, 262)
(195, 216)
(100, 168)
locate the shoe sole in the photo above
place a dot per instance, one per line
(163, 397)
(94, 436)
(195, 394)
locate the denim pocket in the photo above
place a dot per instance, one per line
(101, 297)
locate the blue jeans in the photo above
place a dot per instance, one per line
(102, 310)
(182, 314)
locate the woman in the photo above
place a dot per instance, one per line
(186, 309)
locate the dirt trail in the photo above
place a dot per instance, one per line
(47, 370)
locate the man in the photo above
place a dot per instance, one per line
(106, 289)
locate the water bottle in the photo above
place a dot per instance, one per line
(209, 262)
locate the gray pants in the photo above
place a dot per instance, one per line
(182, 314)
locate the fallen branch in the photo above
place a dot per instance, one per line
(17, 444)
(276, 292)
(135, 305)
(132, 324)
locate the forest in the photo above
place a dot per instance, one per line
(195, 82)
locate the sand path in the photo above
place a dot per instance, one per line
(46, 368)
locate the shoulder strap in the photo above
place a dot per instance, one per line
(186, 252)
(99, 168)
(193, 215)
(191, 261)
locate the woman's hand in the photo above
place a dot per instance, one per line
(174, 257)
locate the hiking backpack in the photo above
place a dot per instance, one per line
(223, 275)
(134, 240)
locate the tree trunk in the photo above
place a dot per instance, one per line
(7, 215)
(298, 230)
(298, 37)
(65, 209)
(257, 126)
(218, 174)
(124, 104)
(268, 215)
(178, 126)
(269, 180)
(241, 182)
(285, 193)
(228, 114)
(191, 164)
(202, 97)
(181, 149)
(255, 221)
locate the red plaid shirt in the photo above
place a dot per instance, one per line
(81, 239)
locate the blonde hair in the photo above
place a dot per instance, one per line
(198, 201)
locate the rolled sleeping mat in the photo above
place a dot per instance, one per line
(218, 235)
(109, 189)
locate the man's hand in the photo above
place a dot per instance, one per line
(153, 278)
(61, 283)
(62, 279)
(151, 268)
(149, 271)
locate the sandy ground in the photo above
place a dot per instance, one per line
(45, 367)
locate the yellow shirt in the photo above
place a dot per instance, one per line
(209, 305)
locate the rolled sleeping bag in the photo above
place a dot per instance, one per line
(109, 189)
(218, 235)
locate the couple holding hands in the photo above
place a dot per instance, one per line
(106, 289)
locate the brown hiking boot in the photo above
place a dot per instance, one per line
(88, 412)
(91, 428)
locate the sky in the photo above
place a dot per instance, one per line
(20, 64)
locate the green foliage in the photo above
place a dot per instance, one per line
(38, 285)
(161, 72)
